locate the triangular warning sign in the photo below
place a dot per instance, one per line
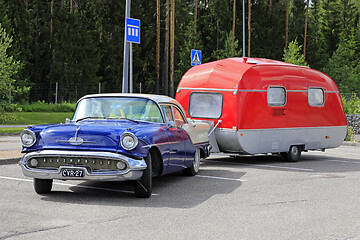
(196, 58)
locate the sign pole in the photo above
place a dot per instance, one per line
(131, 69)
(243, 28)
(125, 81)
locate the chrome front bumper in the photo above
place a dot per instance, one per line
(133, 171)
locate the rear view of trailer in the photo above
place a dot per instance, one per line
(264, 106)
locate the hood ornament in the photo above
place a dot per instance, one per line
(76, 140)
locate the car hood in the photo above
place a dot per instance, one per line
(88, 135)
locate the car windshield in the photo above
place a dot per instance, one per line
(118, 108)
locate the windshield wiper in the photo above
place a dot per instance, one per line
(86, 118)
(123, 118)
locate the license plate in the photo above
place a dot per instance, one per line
(77, 173)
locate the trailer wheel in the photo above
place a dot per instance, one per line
(293, 155)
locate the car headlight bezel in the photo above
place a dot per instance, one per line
(128, 141)
(27, 138)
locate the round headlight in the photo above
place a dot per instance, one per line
(128, 141)
(27, 138)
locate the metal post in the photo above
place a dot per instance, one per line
(131, 70)
(125, 81)
(9, 93)
(99, 87)
(243, 28)
(56, 93)
(140, 87)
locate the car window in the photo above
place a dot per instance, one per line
(179, 120)
(119, 107)
(168, 113)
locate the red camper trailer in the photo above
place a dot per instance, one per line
(264, 106)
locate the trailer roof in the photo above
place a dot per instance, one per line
(228, 73)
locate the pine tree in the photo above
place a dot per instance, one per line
(293, 54)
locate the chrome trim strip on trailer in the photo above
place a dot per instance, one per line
(270, 129)
(241, 90)
(207, 89)
(331, 91)
(297, 91)
(252, 90)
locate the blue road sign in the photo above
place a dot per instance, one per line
(132, 30)
(195, 57)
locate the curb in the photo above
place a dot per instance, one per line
(9, 161)
(356, 144)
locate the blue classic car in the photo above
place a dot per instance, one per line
(115, 137)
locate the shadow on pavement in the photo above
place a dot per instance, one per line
(172, 191)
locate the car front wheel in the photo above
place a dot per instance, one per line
(194, 169)
(42, 186)
(143, 186)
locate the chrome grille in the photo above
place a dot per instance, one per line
(91, 163)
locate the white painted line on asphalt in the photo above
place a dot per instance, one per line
(72, 185)
(265, 166)
(280, 167)
(343, 161)
(221, 178)
(16, 179)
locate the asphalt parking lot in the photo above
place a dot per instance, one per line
(258, 197)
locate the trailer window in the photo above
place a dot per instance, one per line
(316, 97)
(276, 96)
(205, 105)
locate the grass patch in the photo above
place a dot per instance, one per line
(15, 130)
(38, 118)
(40, 106)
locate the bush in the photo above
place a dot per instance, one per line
(42, 106)
(4, 116)
(350, 134)
(11, 108)
(351, 106)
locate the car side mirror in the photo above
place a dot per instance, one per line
(67, 120)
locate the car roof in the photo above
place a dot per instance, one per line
(156, 98)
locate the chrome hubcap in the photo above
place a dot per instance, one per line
(294, 151)
(197, 160)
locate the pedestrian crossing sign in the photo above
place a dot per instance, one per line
(195, 57)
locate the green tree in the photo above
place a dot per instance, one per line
(293, 54)
(268, 24)
(9, 68)
(14, 17)
(343, 67)
(191, 41)
(75, 58)
(229, 50)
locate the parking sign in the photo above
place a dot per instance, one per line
(132, 30)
